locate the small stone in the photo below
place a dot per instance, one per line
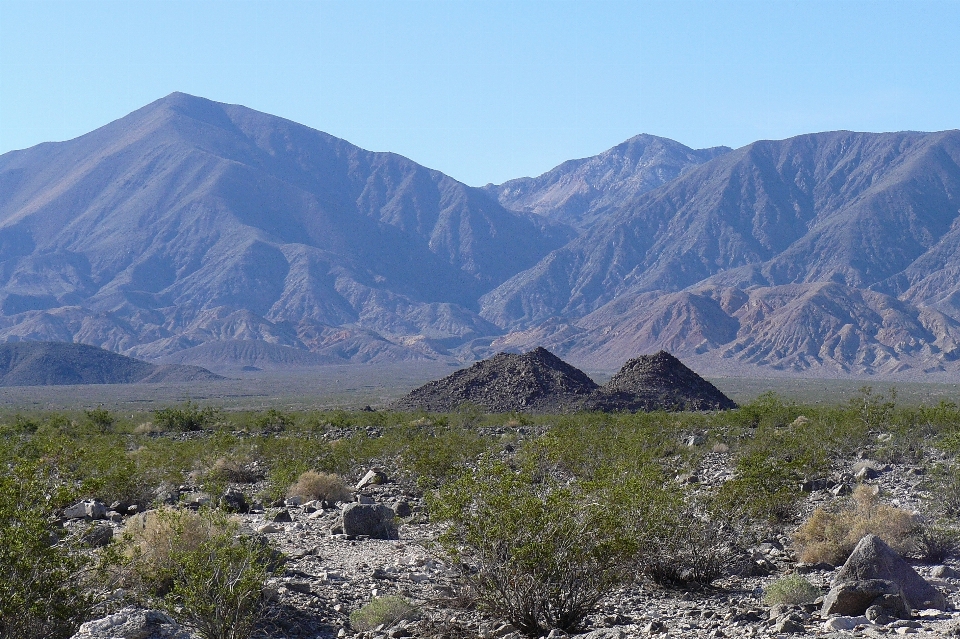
(374, 476)
(402, 508)
(788, 626)
(302, 587)
(98, 536)
(283, 516)
(234, 501)
(877, 615)
(944, 572)
(844, 623)
(654, 628)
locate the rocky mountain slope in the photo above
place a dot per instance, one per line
(189, 226)
(191, 221)
(55, 363)
(580, 192)
(822, 254)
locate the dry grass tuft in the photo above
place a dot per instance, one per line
(831, 535)
(238, 471)
(152, 540)
(325, 486)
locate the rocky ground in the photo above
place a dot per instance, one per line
(328, 575)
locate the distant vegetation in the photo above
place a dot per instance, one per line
(532, 483)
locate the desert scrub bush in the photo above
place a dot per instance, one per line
(325, 486)
(42, 593)
(384, 611)
(101, 419)
(583, 445)
(196, 567)
(771, 465)
(762, 489)
(536, 551)
(274, 421)
(790, 590)
(682, 544)
(874, 410)
(937, 540)
(944, 483)
(431, 455)
(184, 418)
(830, 535)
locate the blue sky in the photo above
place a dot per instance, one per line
(487, 91)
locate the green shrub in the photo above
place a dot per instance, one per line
(196, 567)
(384, 611)
(536, 551)
(432, 455)
(936, 541)
(274, 421)
(187, 417)
(42, 594)
(791, 590)
(682, 545)
(101, 419)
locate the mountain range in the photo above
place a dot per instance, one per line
(202, 233)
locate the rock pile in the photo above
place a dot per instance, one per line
(657, 382)
(535, 382)
(540, 382)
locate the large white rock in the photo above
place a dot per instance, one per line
(133, 623)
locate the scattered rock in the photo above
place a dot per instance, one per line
(98, 536)
(196, 500)
(133, 623)
(878, 615)
(372, 520)
(944, 572)
(788, 625)
(234, 501)
(844, 623)
(873, 559)
(602, 633)
(373, 477)
(283, 516)
(401, 508)
(868, 469)
(86, 509)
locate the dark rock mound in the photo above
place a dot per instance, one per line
(61, 363)
(657, 382)
(537, 381)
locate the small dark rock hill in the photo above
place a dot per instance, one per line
(537, 382)
(62, 363)
(541, 382)
(657, 382)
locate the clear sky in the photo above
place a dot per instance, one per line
(490, 90)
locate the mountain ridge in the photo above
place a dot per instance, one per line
(190, 227)
(61, 363)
